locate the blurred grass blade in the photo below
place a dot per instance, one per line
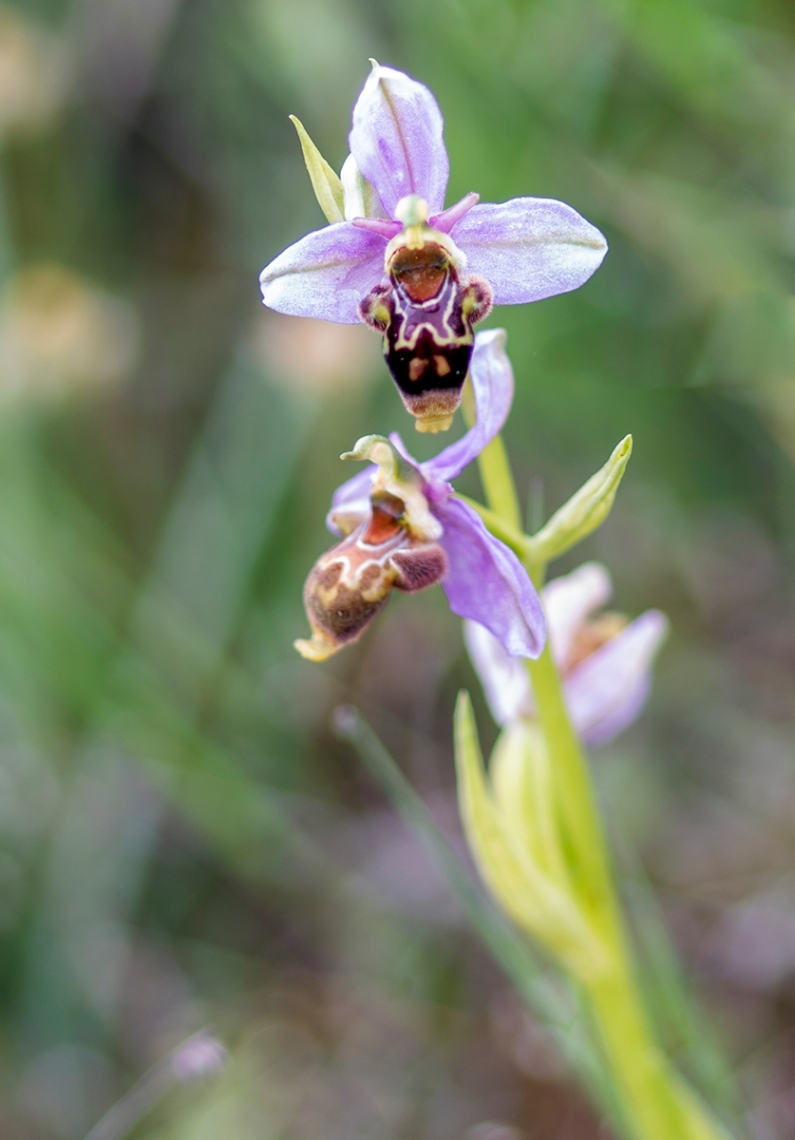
(201, 1055)
(555, 1004)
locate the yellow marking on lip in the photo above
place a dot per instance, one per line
(417, 368)
(433, 424)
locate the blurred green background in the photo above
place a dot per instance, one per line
(182, 839)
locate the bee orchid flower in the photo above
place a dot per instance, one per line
(605, 661)
(403, 528)
(417, 273)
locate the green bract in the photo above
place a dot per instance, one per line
(325, 180)
(509, 823)
(584, 512)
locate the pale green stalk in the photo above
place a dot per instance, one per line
(658, 1103)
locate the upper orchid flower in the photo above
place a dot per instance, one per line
(420, 274)
(404, 529)
(605, 662)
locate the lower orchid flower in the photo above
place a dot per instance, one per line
(395, 258)
(403, 528)
(605, 661)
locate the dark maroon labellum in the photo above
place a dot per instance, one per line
(426, 313)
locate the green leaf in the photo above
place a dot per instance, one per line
(325, 180)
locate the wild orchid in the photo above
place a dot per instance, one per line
(405, 529)
(423, 276)
(604, 661)
(420, 274)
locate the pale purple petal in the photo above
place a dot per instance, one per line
(397, 139)
(486, 582)
(352, 500)
(568, 601)
(529, 248)
(607, 691)
(325, 274)
(492, 381)
(504, 679)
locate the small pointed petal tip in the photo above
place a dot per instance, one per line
(381, 226)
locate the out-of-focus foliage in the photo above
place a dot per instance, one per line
(182, 840)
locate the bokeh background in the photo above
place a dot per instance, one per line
(183, 840)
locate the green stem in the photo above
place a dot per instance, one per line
(519, 543)
(658, 1103)
(495, 471)
(495, 474)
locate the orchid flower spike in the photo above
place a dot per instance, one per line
(605, 661)
(403, 528)
(419, 274)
